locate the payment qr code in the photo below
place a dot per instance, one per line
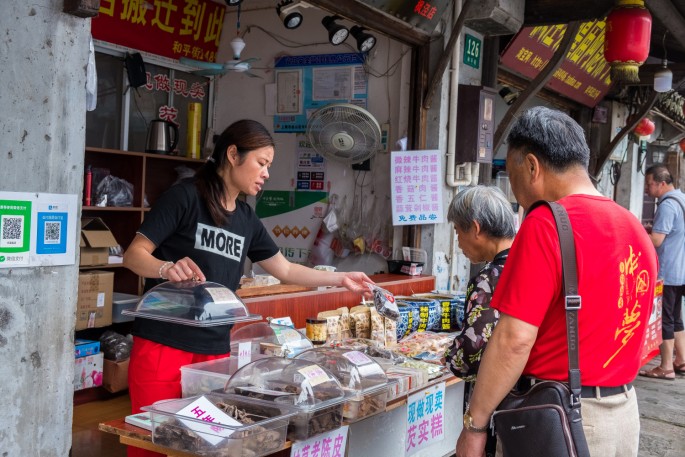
(12, 231)
(52, 232)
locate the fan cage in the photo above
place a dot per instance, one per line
(344, 132)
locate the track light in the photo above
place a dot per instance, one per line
(290, 13)
(336, 33)
(365, 42)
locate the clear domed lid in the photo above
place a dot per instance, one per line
(300, 383)
(200, 304)
(357, 372)
(290, 340)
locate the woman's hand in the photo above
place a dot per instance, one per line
(356, 281)
(183, 270)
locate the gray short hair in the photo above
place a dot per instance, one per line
(552, 136)
(486, 205)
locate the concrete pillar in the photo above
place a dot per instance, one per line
(43, 58)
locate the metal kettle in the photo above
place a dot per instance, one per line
(159, 137)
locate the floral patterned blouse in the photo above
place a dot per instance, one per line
(466, 350)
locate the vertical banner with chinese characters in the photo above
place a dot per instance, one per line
(653, 333)
(416, 178)
(169, 28)
(37, 229)
(293, 220)
(330, 444)
(425, 414)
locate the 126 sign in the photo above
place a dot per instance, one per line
(472, 47)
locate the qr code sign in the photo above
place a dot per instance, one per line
(52, 232)
(12, 228)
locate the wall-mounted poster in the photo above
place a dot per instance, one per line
(306, 83)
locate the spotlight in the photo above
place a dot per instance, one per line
(233, 2)
(336, 33)
(365, 42)
(289, 14)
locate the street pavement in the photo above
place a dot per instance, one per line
(662, 415)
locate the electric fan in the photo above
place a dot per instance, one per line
(344, 132)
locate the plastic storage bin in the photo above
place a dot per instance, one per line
(121, 302)
(199, 304)
(210, 376)
(362, 378)
(263, 431)
(313, 391)
(270, 340)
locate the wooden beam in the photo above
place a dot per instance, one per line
(446, 55)
(537, 84)
(634, 120)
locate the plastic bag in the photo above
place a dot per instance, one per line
(384, 302)
(114, 191)
(115, 346)
(322, 252)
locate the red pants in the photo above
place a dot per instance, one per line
(154, 374)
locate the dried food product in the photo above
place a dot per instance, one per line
(317, 330)
(361, 316)
(345, 326)
(377, 327)
(384, 302)
(419, 344)
(367, 405)
(334, 327)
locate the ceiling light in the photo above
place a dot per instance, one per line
(237, 45)
(365, 42)
(663, 79)
(336, 33)
(233, 2)
(289, 14)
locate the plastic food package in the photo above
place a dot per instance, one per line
(115, 346)
(115, 191)
(384, 302)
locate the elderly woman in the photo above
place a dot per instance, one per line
(485, 227)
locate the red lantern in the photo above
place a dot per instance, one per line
(644, 128)
(626, 39)
(682, 144)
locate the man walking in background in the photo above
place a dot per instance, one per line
(668, 236)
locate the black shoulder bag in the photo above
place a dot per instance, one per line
(545, 420)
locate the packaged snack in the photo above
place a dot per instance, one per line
(333, 321)
(361, 317)
(345, 322)
(377, 327)
(384, 302)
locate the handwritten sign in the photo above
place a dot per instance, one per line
(204, 410)
(416, 188)
(314, 374)
(330, 444)
(425, 414)
(244, 353)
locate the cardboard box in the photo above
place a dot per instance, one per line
(115, 375)
(94, 305)
(96, 239)
(83, 348)
(88, 371)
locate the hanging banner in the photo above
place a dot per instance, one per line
(425, 418)
(37, 229)
(293, 220)
(306, 83)
(169, 28)
(416, 178)
(584, 74)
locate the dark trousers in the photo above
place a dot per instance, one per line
(672, 311)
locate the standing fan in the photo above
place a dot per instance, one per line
(344, 132)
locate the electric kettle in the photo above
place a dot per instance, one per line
(159, 137)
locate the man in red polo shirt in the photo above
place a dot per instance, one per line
(547, 160)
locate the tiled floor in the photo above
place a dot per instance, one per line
(87, 440)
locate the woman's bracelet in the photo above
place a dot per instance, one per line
(163, 267)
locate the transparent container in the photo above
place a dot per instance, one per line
(263, 430)
(270, 340)
(362, 378)
(212, 375)
(311, 389)
(199, 304)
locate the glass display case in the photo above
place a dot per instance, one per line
(362, 378)
(305, 385)
(270, 339)
(199, 304)
(253, 427)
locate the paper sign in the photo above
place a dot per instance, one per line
(416, 187)
(314, 374)
(203, 410)
(244, 354)
(331, 444)
(221, 295)
(357, 358)
(287, 321)
(425, 414)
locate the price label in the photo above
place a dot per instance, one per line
(244, 353)
(221, 295)
(357, 358)
(314, 374)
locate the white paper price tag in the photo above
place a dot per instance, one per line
(244, 353)
(357, 358)
(314, 374)
(211, 431)
(221, 295)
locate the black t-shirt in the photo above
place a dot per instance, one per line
(180, 226)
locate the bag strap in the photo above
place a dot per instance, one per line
(572, 300)
(680, 202)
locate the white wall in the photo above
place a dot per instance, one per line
(42, 133)
(239, 96)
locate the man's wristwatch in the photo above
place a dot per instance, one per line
(468, 424)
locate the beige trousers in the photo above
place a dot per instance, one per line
(611, 425)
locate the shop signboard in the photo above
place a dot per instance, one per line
(422, 14)
(329, 444)
(170, 28)
(583, 75)
(425, 418)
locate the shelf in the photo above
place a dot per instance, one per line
(113, 208)
(101, 267)
(117, 152)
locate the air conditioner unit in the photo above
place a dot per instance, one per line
(495, 17)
